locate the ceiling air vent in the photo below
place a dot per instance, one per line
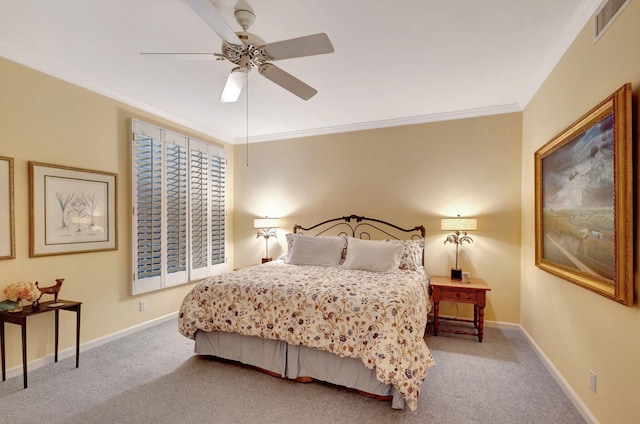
(606, 14)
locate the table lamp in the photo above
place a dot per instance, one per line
(460, 226)
(266, 228)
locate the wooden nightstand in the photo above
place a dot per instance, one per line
(445, 289)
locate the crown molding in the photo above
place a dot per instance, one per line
(421, 119)
(385, 123)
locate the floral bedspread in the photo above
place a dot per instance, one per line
(376, 317)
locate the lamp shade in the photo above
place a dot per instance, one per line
(266, 223)
(459, 224)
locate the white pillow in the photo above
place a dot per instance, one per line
(316, 250)
(372, 255)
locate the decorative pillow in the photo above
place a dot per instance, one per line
(290, 237)
(372, 255)
(316, 250)
(411, 254)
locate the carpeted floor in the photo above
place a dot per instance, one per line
(154, 377)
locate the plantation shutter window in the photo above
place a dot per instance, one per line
(179, 215)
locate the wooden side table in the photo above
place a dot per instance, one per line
(445, 289)
(20, 318)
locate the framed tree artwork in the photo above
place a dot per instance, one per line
(584, 201)
(71, 210)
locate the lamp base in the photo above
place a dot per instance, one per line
(265, 260)
(456, 274)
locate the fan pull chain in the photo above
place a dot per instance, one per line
(247, 120)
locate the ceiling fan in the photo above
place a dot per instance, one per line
(248, 51)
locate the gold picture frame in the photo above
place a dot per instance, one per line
(71, 210)
(584, 201)
(7, 214)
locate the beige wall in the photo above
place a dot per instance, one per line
(409, 175)
(577, 329)
(480, 167)
(47, 120)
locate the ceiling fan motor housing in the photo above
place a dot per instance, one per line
(249, 54)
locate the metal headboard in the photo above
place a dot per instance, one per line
(359, 227)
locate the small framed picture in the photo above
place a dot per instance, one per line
(7, 224)
(71, 210)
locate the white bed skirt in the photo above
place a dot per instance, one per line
(293, 361)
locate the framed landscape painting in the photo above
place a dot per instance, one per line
(584, 201)
(71, 210)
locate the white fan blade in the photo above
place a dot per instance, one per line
(287, 81)
(233, 87)
(211, 16)
(298, 47)
(181, 56)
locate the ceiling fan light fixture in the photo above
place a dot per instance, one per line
(234, 85)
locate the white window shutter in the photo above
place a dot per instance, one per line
(199, 188)
(147, 219)
(175, 184)
(218, 210)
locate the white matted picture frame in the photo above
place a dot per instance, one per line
(71, 210)
(7, 215)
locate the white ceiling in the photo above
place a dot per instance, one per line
(395, 62)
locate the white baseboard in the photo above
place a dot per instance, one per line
(491, 324)
(502, 325)
(71, 351)
(564, 385)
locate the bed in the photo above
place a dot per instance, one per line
(346, 304)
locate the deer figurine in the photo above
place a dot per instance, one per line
(54, 290)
